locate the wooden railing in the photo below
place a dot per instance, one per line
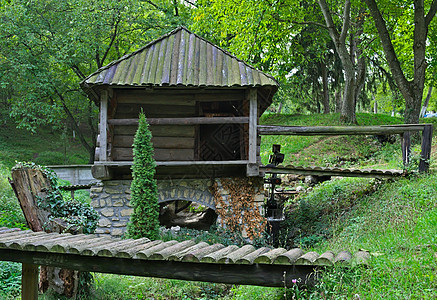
(404, 130)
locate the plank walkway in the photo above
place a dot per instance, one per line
(185, 260)
(321, 171)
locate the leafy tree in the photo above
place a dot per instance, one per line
(144, 220)
(48, 47)
(403, 31)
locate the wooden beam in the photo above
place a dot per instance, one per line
(406, 148)
(256, 274)
(177, 163)
(182, 121)
(103, 125)
(252, 167)
(426, 148)
(29, 281)
(339, 130)
(101, 172)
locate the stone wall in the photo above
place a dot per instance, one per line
(111, 199)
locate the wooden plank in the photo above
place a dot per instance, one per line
(252, 167)
(158, 142)
(425, 154)
(126, 111)
(124, 154)
(158, 130)
(29, 281)
(103, 121)
(338, 130)
(262, 275)
(182, 121)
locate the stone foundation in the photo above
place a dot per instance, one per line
(111, 199)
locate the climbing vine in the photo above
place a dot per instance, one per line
(239, 213)
(76, 215)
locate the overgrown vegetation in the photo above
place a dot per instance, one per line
(144, 220)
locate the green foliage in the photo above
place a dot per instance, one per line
(112, 287)
(144, 221)
(78, 215)
(10, 279)
(310, 219)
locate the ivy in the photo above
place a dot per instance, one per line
(77, 215)
(144, 221)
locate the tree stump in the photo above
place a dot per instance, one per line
(29, 185)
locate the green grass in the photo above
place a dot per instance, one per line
(46, 147)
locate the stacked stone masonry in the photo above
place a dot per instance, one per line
(111, 199)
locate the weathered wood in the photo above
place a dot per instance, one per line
(122, 245)
(179, 255)
(214, 257)
(124, 154)
(289, 257)
(365, 173)
(165, 253)
(101, 172)
(361, 257)
(182, 121)
(406, 148)
(250, 257)
(269, 257)
(338, 130)
(29, 281)
(125, 111)
(307, 259)
(263, 275)
(159, 130)
(237, 254)
(326, 259)
(197, 255)
(29, 184)
(103, 122)
(144, 254)
(158, 142)
(425, 154)
(131, 97)
(131, 252)
(178, 163)
(252, 167)
(343, 256)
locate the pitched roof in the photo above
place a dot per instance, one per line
(180, 58)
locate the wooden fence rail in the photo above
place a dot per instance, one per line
(404, 130)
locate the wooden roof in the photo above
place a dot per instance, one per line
(43, 248)
(180, 58)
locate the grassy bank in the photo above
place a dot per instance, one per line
(395, 220)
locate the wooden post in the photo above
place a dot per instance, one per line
(426, 148)
(406, 148)
(29, 282)
(252, 166)
(103, 125)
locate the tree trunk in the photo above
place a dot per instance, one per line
(29, 185)
(426, 102)
(324, 73)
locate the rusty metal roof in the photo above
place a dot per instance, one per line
(180, 58)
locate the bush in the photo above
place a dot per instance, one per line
(144, 221)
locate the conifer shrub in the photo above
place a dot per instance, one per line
(144, 220)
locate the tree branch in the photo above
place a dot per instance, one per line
(347, 20)
(431, 13)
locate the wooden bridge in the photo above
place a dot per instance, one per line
(185, 260)
(404, 130)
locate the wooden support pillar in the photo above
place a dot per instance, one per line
(406, 148)
(103, 120)
(29, 282)
(252, 166)
(426, 148)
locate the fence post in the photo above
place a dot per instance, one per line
(426, 148)
(406, 148)
(29, 282)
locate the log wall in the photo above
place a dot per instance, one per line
(171, 142)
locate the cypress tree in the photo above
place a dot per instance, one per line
(144, 220)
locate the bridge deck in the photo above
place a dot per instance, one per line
(185, 260)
